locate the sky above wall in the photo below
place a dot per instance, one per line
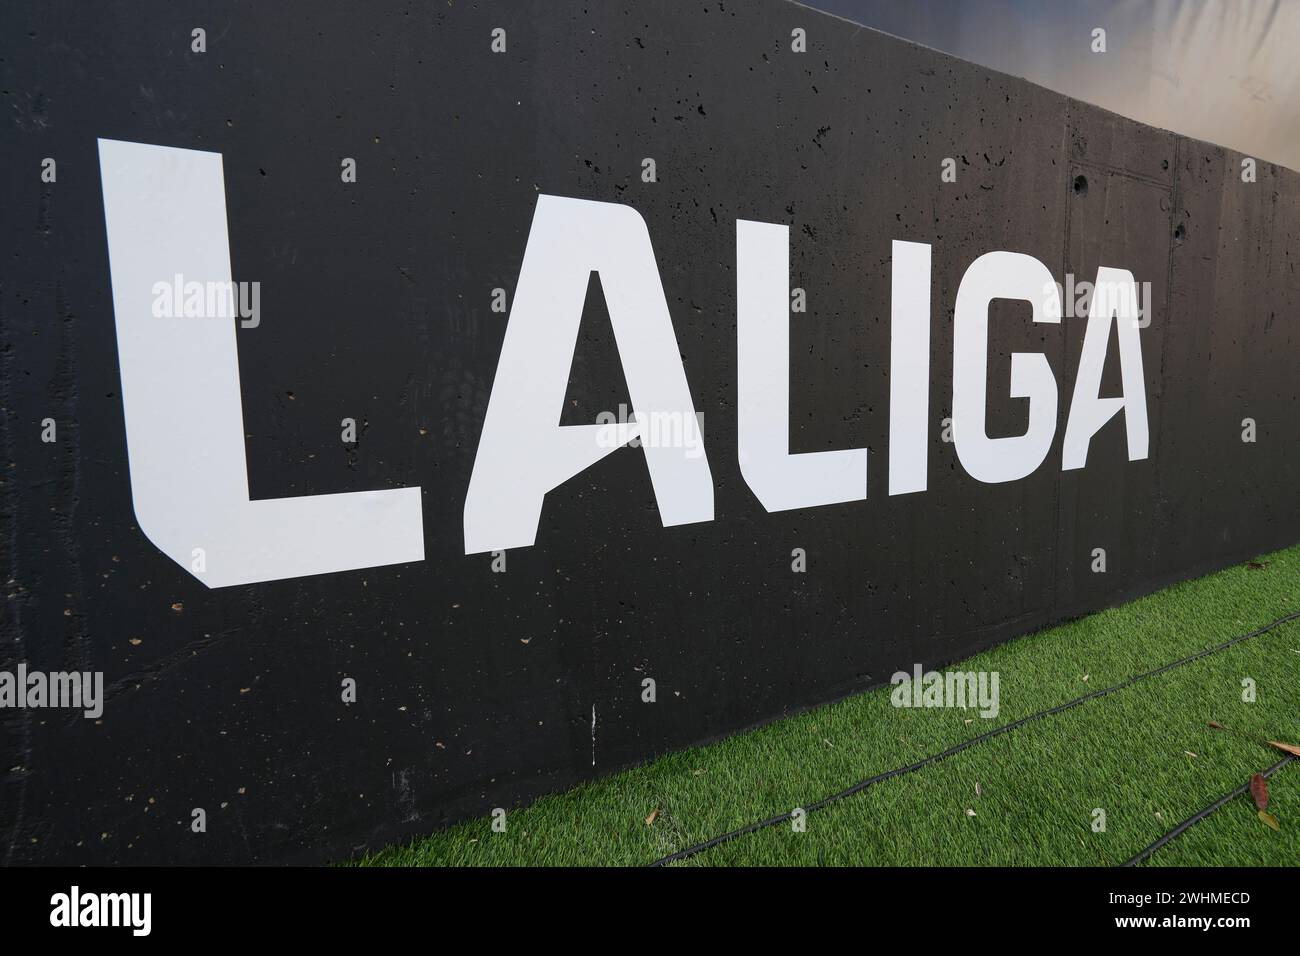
(1226, 71)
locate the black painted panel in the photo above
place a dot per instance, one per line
(477, 689)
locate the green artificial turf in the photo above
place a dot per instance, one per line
(1144, 754)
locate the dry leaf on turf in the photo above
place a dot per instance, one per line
(654, 815)
(1270, 820)
(1288, 748)
(1259, 791)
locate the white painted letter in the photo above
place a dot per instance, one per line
(1115, 294)
(780, 480)
(165, 212)
(909, 367)
(1001, 275)
(524, 452)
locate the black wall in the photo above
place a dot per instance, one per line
(477, 689)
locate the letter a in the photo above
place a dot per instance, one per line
(524, 451)
(1115, 295)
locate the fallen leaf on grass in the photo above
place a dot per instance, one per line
(1189, 753)
(1288, 748)
(970, 813)
(979, 791)
(1256, 565)
(1259, 791)
(1270, 820)
(1216, 725)
(654, 815)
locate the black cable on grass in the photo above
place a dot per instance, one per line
(1201, 815)
(958, 748)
